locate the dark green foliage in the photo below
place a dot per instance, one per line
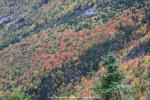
(127, 31)
(110, 84)
(82, 25)
(17, 97)
(107, 16)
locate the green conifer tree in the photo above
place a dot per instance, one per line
(110, 84)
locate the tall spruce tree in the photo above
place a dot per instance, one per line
(110, 84)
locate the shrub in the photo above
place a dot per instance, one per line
(17, 97)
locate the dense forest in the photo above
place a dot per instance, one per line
(74, 49)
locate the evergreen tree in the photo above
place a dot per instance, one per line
(110, 84)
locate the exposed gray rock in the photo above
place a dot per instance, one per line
(90, 12)
(4, 20)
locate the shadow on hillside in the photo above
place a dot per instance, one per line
(74, 70)
(137, 51)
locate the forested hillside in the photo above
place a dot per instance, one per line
(55, 48)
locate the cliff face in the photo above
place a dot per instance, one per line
(50, 48)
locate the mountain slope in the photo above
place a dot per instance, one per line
(48, 47)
